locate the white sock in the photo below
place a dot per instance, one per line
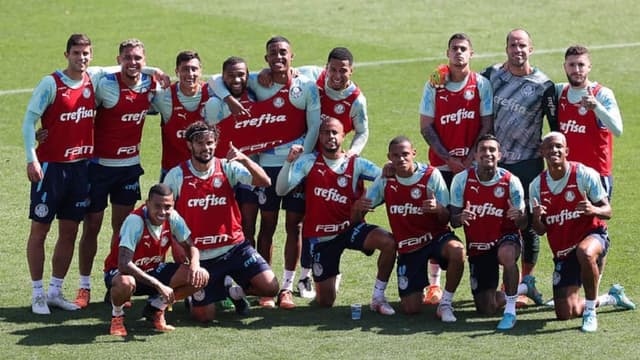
(55, 286)
(379, 288)
(447, 297)
(117, 310)
(590, 306)
(236, 292)
(434, 274)
(523, 289)
(287, 280)
(37, 288)
(510, 307)
(606, 299)
(158, 303)
(305, 273)
(85, 282)
(338, 280)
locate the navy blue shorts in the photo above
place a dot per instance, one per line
(326, 255)
(164, 272)
(268, 200)
(412, 267)
(120, 184)
(62, 192)
(242, 263)
(484, 270)
(246, 194)
(566, 272)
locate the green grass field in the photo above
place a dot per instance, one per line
(396, 44)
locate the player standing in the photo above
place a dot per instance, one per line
(452, 118)
(522, 96)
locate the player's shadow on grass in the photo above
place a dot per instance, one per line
(74, 327)
(338, 318)
(81, 334)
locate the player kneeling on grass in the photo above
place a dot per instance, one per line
(570, 205)
(136, 265)
(489, 202)
(332, 184)
(416, 199)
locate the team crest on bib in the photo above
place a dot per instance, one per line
(416, 193)
(295, 92)
(164, 241)
(582, 110)
(342, 181)
(86, 93)
(473, 282)
(317, 269)
(468, 94)
(403, 282)
(262, 198)
(569, 196)
(339, 109)
(217, 182)
(527, 90)
(556, 278)
(278, 102)
(198, 295)
(498, 192)
(41, 210)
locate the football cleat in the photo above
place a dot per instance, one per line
(83, 297)
(532, 291)
(381, 306)
(508, 322)
(445, 313)
(285, 300)
(305, 288)
(39, 305)
(156, 316)
(60, 302)
(622, 301)
(267, 302)
(433, 295)
(589, 322)
(117, 326)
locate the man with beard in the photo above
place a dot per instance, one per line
(296, 107)
(203, 188)
(123, 100)
(331, 181)
(588, 115)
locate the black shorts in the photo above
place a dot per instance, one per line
(326, 255)
(242, 263)
(526, 171)
(484, 269)
(412, 267)
(164, 272)
(120, 184)
(566, 272)
(62, 192)
(268, 200)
